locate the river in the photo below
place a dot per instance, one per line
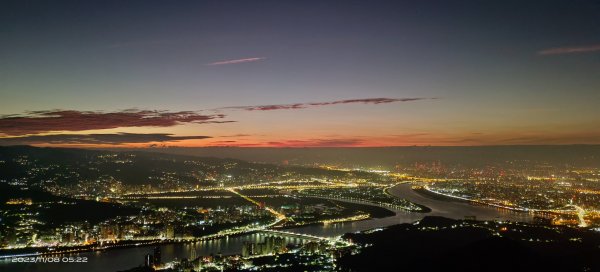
(121, 259)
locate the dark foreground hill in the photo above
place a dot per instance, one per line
(440, 244)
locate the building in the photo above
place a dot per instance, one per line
(275, 244)
(170, 232)
(542, 220)
(248, 249)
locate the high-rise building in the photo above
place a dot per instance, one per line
(260, 248)
(278, 244)
(311, 247)
(170, 232)
(104, 231)
(269, 244)
(248, 249)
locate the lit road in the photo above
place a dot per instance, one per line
(277, 214)
(580, 215)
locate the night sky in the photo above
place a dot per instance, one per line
(299, 73)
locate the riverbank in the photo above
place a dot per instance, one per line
(433, 195)
(423, 208)
(455, 208)
(97, 247)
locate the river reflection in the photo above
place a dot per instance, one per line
(455, 209)
(121, 259)
(449, 209)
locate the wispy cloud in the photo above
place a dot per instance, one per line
(570, 50)
(236, 135)
(71, 120)
(96, 139)
(236, 61)
(328, 103)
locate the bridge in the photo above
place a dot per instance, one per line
(296, 235)
(330, 240)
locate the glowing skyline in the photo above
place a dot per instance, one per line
(285, 74)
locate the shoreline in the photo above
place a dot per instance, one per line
(93, 248)
(445, 197)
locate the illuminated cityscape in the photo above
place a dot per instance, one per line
(195, 200)
(284, 136)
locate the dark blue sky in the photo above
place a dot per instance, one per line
(502, 70)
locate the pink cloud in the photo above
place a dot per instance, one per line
(570, 50)
(294, 106)
(236, 61)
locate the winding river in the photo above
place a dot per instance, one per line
(121, 259)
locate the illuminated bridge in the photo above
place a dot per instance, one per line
(331, 240)
(296, 235)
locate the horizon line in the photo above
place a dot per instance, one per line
(294, 147)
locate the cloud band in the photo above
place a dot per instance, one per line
(70, 120)
(96, 139)
(329, 103)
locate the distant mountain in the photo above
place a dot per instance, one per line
(582, 155)
(93, 171)
(66, 165)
